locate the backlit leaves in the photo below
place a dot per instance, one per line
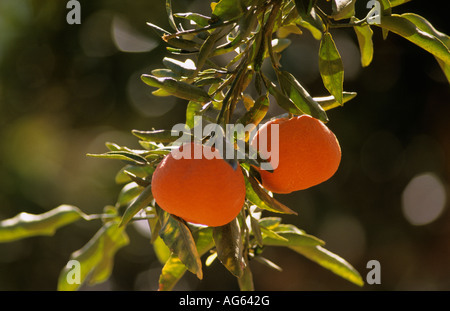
(26, 225)
(331, 67)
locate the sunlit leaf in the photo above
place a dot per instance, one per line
(229, 247)
(128, 193)
(160, 136)
(143, 171)
(330, 261)
(141, 202)
(162, 252)
(96, 258)
(331, 67)
(292, 236)
(186, 68)
(343, 9)
(178, 238)
(121, 155)
(199, 19)
(364, 35)
(26, 225)
(268, 263)
(227, 9)
(414, 30)
(257, 196)
(170, 15)
(300, 97)
(304, 6)
(174, 269)
(177, 88)
(329, 102)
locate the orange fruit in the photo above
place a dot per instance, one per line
(309, 154)
(203, 191)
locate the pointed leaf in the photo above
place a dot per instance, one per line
(174, 269)
(300, 97)
(329, 102)
(177, 236)
(331, 67)
(26, 225)
(141, 202)
(292, 237)
(246, 280)
(343, 9)
(304, 6)
(414, 30)
(227, 9)
(256, 195)
(159, 136)
(364, 36)
(128, 193)
(185, 69)
(96, 258)
(162, 252)
(121, 155)
(177, 88)
(330, 261)
(199, 19)
(170, 15)
(229, 247)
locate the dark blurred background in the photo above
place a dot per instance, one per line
(67, 89)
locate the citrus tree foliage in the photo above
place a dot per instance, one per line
(252, 31)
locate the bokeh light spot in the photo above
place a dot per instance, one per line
(423, 199)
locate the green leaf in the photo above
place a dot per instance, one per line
(199, 19)
(177, 88)
(141, 202)
(246, 280)
(257, 196)
(164, 73)
(256, 230)
(177, 236)
(175, 42)
(128, 193)
(415, 29)
(255, 114)
(300, 97)
(192, 110)
(162, 252)
(304, 6)
(185, 69)
(342, 9)
(282, 100)
(313, 23)
(229, 247)
(96, 258)
(445, 68)
(26, 225)
(121, 155)
(268, 263)
(170, 15)
(174, 269)
(227, 9)
(331, 67)
(292, 236)
(159, 136)
(395, 3)
(330, 261)
(270, 222)
(329, 102)
(123, 176)
(364, 36)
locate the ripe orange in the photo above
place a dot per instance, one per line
(309, 154)
(203, 191)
